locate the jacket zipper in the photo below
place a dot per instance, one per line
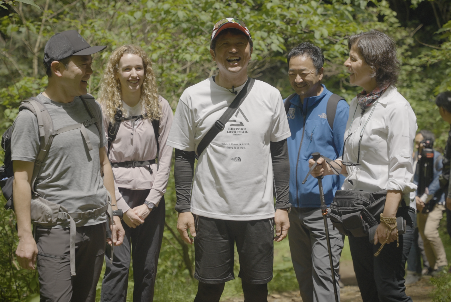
(299, 153)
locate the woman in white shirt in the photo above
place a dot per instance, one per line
(377, 156)
(129, 99)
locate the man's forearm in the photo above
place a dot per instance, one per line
(22, 206)
(108, 182)
(183, 176)
(281, 169)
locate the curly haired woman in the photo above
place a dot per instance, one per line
(142, 119)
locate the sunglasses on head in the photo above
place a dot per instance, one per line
(228, 20)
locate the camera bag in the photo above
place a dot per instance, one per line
(355, 212)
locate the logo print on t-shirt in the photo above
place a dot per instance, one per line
(236, 126)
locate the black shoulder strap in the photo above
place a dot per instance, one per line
(91, 112)
(287, 103)
(220, 124)
(45, 126)
(114, 128)
(156, 130)
(331, 109)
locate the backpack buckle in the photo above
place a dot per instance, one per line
(219, 125)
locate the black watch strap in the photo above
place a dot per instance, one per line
(118, 213)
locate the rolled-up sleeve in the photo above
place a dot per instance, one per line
(402, 126)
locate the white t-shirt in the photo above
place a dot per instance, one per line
(234, 177)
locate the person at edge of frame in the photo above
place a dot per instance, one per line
(129, 85)
(307, 115)
(443, 102)
(72, 177)
(377, 156)
(232, 195)
(417, 262)
(429, 221)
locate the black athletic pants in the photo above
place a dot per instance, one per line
(143, 244)
(381, 278)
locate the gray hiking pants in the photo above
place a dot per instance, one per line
(146, 242)
(308, 246)
(54, 263)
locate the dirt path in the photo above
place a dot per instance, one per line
(419, 292)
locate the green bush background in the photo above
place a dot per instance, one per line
(176, 35)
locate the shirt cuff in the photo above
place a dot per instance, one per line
(396, 185)
(122, 204)
(154, 196)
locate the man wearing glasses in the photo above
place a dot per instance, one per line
(317, 120)
(231, 200)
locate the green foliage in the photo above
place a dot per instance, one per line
(442, 292)
(176, 34)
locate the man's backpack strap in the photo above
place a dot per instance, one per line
(287, 103)
(84, 98)
(45, 126)
(331, 109)
(220, 124)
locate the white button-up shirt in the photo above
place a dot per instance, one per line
(386, 145)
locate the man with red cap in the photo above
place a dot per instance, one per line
(68, 244)
(230, 200)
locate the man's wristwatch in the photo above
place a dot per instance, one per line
(150, 205)
(118, 213)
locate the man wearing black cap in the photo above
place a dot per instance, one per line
(232, 192)
(69, 260)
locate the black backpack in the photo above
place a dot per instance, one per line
(113, 129)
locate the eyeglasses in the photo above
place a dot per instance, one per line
(228, 20)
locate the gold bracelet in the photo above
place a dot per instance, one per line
(392, 224)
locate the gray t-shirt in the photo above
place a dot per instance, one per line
(234, 178)
(70, 174)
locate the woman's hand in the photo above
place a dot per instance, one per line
(142, 211)
(131, 219)
(382, 232)
(320, 169)
(323, 168)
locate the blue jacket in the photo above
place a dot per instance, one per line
(309, 120)
(434, 186)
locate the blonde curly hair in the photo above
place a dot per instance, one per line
(110, 88)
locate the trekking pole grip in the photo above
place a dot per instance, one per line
(316, 156)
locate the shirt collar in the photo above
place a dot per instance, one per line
(384, 98)
(311, 100)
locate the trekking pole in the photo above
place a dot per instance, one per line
(316, 156)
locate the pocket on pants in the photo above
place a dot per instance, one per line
(54, 277)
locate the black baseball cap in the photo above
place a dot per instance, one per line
(65, 44)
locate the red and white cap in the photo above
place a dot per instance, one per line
(230, 23)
